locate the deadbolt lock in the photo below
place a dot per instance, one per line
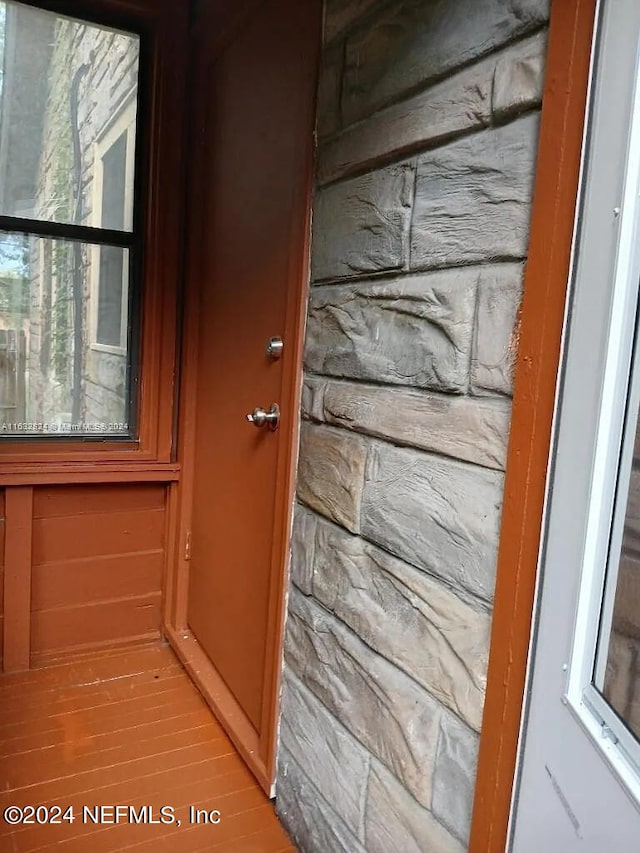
(259, 418)
(275, 348)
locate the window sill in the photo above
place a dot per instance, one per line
(35, 473)
(111, 350)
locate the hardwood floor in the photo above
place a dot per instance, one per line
(124, 728)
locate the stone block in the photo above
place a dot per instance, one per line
(310, 821)
(460, 103)
(329, 86)
(312, 405)
(473, 197)
(519, 77)
(406, 616)
(440, 516)
(394, 718)
(416, 41)
(474, 430)
(455, 776)
(342, 14)
(362, 225)
(335, 762)
(397, 822)
(495, 343)
(303, 539)
(416, 330)
(331, 473)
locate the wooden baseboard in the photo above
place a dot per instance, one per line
(220, 699)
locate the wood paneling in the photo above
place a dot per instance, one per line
(98, 624)
(125, 727)
(17, 578)
(90, 580)
(98, 558)
(56, 502)
(2, 535)
(111, 532)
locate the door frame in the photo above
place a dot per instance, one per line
(541, 324)
(258, 749)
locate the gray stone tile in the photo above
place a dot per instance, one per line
(415, 41)
(407, 617)
(455, 776)
(307, 816)
(329, 88)
(495, 343)
(473, 197)
(519, 77)
(331, 473)
(394, 718)
(396, 823)
(336, 763)
(362, 225)
(303, 539)
(438, 515)
(471, 429)
(341, 14)
(460, 103)
(415, 330)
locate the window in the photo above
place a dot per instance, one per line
(114, 161)
(69, 233)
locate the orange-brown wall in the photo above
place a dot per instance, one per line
(98, 555)
(1, 571)
(96, 566)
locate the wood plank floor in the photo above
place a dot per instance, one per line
(124, 728)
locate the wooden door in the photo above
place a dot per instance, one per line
(250, 207)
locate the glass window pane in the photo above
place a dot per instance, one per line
(114, 168)
(110, 293)
(64, 355)
(618, 656)
(68, 119)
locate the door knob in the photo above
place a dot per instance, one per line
(259, 418)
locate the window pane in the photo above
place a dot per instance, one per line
(68, 93)
(114, 167)
(56, 377)
(110, 293)
(619, 645)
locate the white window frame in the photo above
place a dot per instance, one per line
(124, 121)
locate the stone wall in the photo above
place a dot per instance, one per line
(427, 125)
